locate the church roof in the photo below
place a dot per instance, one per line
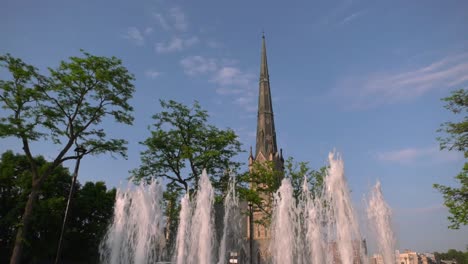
(266, 134)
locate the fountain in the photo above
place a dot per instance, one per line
(322, 229)
(379, 215)
(232, 223)
(314, 228)
(137, 232)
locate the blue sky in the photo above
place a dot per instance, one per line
(362, 77)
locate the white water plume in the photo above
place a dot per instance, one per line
(343, 229)
(137, 232)
(231, 238)
(379, 215)
(183, 232)
(284, 219)
(318, 228)
(202, 228)
(312, 207)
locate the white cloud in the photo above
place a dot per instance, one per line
(152, 74)
(175, 44)
(352, 17)
(174, 19)
(161, 21)
(230, 75)
(412, 155)
(386, 88)
(134, 35)
(148, 30)
(179, 19)
(229, 79)
(195, 65)
(234, 81)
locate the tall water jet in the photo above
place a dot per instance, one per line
(231, 238)
(202, 235)
(183, 231)
(343, 229)
(284, 226)
(312, 207)
(137, 232)
(379, 215)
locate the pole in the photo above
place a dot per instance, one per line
(251, 231)
(72, 189)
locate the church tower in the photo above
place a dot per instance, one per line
(266, 147)
(266, 150)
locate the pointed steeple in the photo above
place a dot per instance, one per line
(263, 64)
(266, 134)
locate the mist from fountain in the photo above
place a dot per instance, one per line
(340, 217)
(318, 227)
(231, 238)
(322, 229)
(379, 215)
(183, 231)
(202, 225)
(137, 232)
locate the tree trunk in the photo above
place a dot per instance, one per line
(24, 226)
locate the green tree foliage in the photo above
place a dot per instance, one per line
(257, 187)
(172, 208)
(65, 108)
(182, 144)
(91, 211)
(456, 138)
(300, 173)
(452, 254)
(266, 180)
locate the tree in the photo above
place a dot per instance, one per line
(456, 199)
(182, 144)
(91, 211)
(452, 254)
(15, 179)
(299, 172)
(67, 109)
(264, 177)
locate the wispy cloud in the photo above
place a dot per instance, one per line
(179, 18)
(412, 155)
(153, 74)
(195, 65)
(134, 35)
(162, 22)
(148, 30)
(385, 88)
(230, 79)
(175, 44)
(233, 81)
(352, 17)
(172, 19)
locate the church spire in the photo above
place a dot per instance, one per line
(266, 134)
(263, 63)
